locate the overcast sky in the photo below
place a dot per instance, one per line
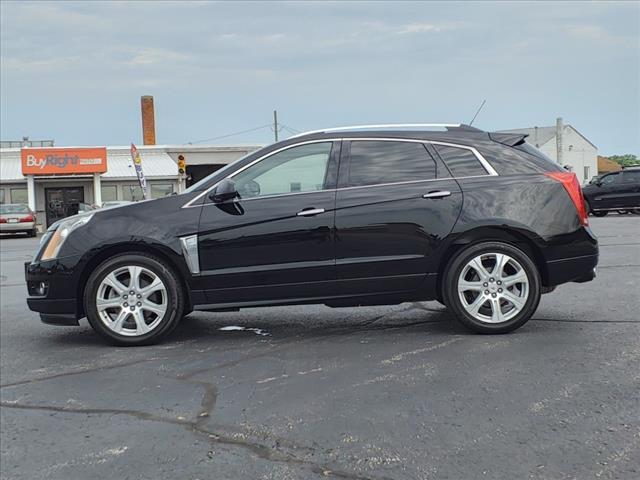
(74, 72)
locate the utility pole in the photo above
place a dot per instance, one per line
(275, 124)
(559, 142)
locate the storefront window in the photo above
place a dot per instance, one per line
(109, 193)
(19, 195)
(1, 195)
(132, 192)
(159, 190)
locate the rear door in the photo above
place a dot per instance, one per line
(393, 208)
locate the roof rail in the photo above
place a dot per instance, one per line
(390, 126)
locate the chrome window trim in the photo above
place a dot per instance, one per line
(485, 164)
(483, 161)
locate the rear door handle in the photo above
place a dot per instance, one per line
(437, 194)
(310, 212)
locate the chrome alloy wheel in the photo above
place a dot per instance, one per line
(493, 287)
(131, 300)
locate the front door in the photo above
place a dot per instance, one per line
(276, 240)
(393, 209)
(62, 202)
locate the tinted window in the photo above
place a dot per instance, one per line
(631, 176)
(461, 162)
(296, 169)
(375, 162)
(611, 178)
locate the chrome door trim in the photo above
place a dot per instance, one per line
(487, 166)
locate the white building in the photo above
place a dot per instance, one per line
(576, 152)
(57, 191)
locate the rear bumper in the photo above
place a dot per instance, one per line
(577, 269)
(16, 227)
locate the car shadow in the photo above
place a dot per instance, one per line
(285, 324)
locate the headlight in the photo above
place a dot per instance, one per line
(62, 233)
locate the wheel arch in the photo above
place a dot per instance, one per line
(517, 237)
(109, 251)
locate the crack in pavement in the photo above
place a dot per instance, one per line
(196, 426)
(80, 372)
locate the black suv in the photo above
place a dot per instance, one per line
(618, 191)
(482, 222)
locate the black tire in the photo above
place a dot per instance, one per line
(452, 299)
(623, 212)
(635, 211)
(33, 233)
(175, 298)
(600, 213)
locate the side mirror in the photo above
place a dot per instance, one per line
(226, 190)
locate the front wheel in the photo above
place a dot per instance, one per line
(492, 287)
(599, 213)
(133, 299)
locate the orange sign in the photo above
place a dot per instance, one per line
(61, 160)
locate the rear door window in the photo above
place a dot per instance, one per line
(376, 162)
(461, 161)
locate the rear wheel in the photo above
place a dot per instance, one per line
(32, 233)
(492, 287)
(600, 213)
(133, 299)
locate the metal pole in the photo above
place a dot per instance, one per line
(559, 129)
(275, 124)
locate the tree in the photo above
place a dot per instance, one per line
(625, 160)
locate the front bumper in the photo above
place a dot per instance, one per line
(52, 290)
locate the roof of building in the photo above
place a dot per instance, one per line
(544, 134)
(154, 164)
(156, 161)
(605, 165)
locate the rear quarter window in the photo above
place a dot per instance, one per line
(461, 162)
(518, 160)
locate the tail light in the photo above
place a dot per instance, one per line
(28, 218)
(3, 220)
(570, 183)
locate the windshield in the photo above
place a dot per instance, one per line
(202, 183)
(13, 208)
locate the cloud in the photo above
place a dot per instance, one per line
(219, 66)
(419, 28)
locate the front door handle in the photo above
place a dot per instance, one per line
(310, 212)
(437, 194)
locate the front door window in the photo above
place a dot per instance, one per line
(295, 170)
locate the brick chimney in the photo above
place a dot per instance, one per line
(148, 120)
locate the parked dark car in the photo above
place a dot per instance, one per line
(482, 222)
(615, 191)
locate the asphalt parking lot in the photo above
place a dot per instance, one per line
(397, 392)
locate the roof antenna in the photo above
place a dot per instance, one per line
(477, 112)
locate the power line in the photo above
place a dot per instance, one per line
(289, 129)
(232, 134)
